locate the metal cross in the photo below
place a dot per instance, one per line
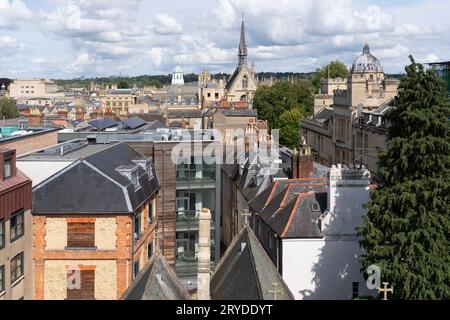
(245, 213)
(385, 290)
(275, 291)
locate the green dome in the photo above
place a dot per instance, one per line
(177, 69)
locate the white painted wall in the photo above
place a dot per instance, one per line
(326, 268)
(39, 171)
(318, 269)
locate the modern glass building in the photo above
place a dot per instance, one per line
(443, 71)
(195, 189)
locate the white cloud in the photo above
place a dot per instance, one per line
(12, 13)
(165, 24)
(9, 46)
(104, 37)
(431, 57)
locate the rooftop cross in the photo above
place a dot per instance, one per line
(245, 213)
(385, 290)
(275, 291)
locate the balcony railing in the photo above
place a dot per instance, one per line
(196, 174)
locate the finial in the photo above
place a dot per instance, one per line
(366, 48)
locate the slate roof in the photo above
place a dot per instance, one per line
(156, 281)
(239, 112)
(93, 186)
(188, 113)
(245, 272)
(155, 125)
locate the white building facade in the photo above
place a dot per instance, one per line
(328, 267)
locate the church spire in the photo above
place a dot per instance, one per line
(242, 46)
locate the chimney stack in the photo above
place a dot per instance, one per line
(204, 255)
(302, 161)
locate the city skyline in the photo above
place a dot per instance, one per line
(66, 39)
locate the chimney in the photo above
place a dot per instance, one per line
(204, 255)
(302, 161)
(306, 160)
(295, 164)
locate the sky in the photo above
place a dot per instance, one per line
(63, 39)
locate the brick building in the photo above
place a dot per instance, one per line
(94, 225)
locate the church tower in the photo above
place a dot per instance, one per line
(242, 48)
(177, 76)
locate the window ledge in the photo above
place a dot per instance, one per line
(16, 238)
(15, 283)
(81, 248)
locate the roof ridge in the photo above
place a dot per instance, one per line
(269, 261)
(255, 268)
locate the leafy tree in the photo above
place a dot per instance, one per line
(8, 109)
(335, 69)
(290, 128)
(407, 227)
(123, 84)
(272, 102)
(153, 83)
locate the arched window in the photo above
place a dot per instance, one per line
(245, 82)
(243, 98)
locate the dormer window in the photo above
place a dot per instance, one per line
(7, 168)
(145, 164)
(131, 173)
(315, 206)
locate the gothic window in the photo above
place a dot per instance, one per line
(244, 97)
(245, 82)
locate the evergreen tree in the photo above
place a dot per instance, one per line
(407, 227)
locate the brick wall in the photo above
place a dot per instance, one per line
(32, 143)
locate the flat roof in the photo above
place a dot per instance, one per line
(36, 131)
(67, 151)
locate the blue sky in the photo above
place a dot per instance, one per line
(73, 38)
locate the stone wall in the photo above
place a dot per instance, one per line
(55, 278)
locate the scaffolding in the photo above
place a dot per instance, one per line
(443, 71)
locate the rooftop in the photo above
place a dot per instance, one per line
(67, 151)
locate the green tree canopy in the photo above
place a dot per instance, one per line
(8, 109)
(335, 69)
(272, 102)
(407, 227)
(153, 83)
(290, 128)
(123, 84)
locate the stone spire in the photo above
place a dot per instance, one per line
(242, 46)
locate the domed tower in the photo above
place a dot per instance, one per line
(367, 77)
(3, 90)
(177, 76)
